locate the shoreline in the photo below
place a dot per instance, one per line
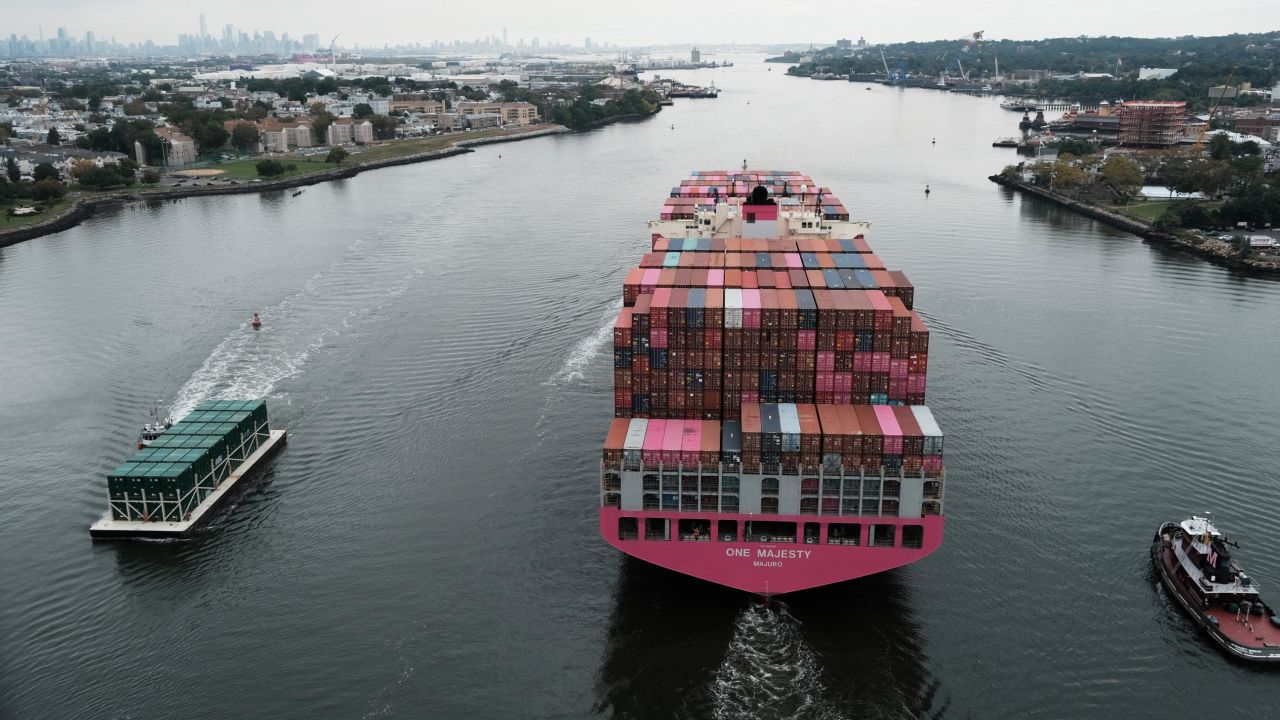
(86, 206)
(1216, 252)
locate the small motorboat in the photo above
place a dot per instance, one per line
(256, 322)
(296, 194)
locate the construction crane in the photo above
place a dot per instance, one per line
(970, 42)
(1214, 110)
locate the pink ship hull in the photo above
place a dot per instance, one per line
(777, 567)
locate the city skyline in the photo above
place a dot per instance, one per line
(147, 22)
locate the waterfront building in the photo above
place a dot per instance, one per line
(1151, 123)
(339, 132)
(415, 102)
(483, 121)
(512, 113)
(348, 130)
(1256, 122)
(362, 131)
(179, 149)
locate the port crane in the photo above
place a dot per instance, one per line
(333, 53)
(897, 75)
(1214, 110)
(970, 42)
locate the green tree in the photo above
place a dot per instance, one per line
(1067, 175)
(11, 169)
(1246, 172)
(54, 137)
(270, 168)
(150, 177)
(1122, 175)
(362, 110)
(384, 126)
(336, 156)
(321, 119)
(245, 136)
(100, 178)
(45, 171)
(48, 189)
(1220, 147)
(136, 107)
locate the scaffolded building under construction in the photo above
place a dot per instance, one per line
(1152, 123)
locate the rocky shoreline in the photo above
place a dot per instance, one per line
(1214, 251)
(85, 207)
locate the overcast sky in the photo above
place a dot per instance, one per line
(637, 23)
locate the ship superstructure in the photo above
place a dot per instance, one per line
(770, 430)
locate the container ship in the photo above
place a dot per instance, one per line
(184, 472)
(770, 431)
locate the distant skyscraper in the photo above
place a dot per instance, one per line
(695, 56)
(504, 37)
(88, 42)
(587, 43)
(204, 29)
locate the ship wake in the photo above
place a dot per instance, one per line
(769, 671)
(579, 359)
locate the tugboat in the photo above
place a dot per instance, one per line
(1194, 562)
(160, 422)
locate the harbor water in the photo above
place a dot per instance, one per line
(435, 340)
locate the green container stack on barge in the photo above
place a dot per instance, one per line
(167, 488)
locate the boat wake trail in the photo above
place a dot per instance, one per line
(249, 363)
(245, 365)
(769, 671)
(575, 366)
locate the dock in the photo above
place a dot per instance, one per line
(109, 529)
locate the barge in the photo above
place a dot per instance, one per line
(176, 483)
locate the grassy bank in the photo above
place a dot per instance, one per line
(52, 209)
(1151, 210)
(247, 169)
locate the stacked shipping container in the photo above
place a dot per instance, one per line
(796, 353)
(171, 476)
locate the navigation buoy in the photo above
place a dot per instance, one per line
(256, 322)
(934, 141)
(926, 192)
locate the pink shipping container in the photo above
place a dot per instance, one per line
(806, 339)
(890, 428)
(672, 442)
(654, 434)
(649, 282)
(658, 338)
(715, 278)
(932, 465)
(751, 309)
(880, 362)
(826, 361)
(916, 383)
(691, 443)
(862, 362)
(897, 368)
